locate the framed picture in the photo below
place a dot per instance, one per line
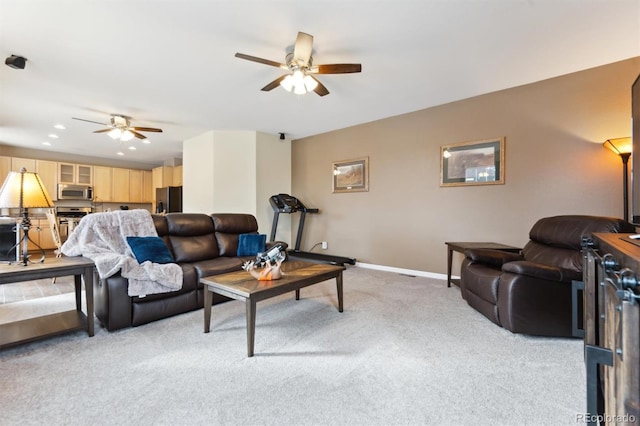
(351, 175)
(472, 163)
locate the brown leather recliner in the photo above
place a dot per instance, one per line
(530, 292)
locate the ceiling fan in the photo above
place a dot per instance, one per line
(120, 128)
(299, 63)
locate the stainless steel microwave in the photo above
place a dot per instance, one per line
(74, 192)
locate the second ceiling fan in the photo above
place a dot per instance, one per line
(120, 128)
(301, 78)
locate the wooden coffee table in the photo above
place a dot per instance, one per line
(242, 286)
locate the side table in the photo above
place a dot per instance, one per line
(460, 247)
(30, 329)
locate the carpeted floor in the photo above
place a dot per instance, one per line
(406, 351)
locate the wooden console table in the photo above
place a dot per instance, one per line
(50, 325)
(461, 247)
(611, 323)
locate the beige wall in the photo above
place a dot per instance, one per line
(273, 177)
(555, 164)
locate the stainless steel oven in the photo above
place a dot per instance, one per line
(68, 218)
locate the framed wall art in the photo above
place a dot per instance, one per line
(351, 175)
(472, 163)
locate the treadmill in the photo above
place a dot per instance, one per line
(285, 203)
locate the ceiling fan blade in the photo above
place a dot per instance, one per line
(260, 60)
(137, 135)
(320, 89)
(104, 130)
(146, 129)
(336, 69)
(302, 49)
(89, 121)
(275, 83)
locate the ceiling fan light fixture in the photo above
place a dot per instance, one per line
(299, 89)
(115, 133)
(309, 83)
(126, 136)
(287, 83)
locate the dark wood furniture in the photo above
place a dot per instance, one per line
(50, 325)
(612, 328)
(242, 286)
(460, 247)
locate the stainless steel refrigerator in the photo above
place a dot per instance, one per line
(169, 199)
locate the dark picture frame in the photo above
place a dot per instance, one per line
(350, 175)
(478, 162)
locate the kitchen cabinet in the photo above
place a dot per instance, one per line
(28, 163)
(48, 172)
(102, 183)
(162, 176)
(75, 173)
(120, 185)
(136, 186)
(177, 176)
(5, 167)
(149, 192)
(140, 186)
(40, 234)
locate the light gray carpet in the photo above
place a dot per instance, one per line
(405, 351)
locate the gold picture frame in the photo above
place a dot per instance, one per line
(473, 163)
(351, 175)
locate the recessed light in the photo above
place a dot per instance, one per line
(46, 143)
(146, 141)
(120, 153)
(53, 136)
(59, 126)
(132, 148)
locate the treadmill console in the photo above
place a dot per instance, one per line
(285, 203)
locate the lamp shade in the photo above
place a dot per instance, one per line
(619, 145)
(24, 190)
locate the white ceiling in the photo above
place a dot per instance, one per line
(171, 64)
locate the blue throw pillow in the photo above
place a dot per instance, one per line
(150, 248)
(251, 244)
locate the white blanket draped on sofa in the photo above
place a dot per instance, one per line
(102, 237)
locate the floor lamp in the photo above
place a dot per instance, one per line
(24, 190)
(622, 147)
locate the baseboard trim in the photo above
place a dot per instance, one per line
(402, 271)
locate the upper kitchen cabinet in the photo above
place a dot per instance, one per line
(75, 173)
(162, 176)
(177, 175)
(5, 167)
(140, 186)
(48, 171)
(28, 163)
(120, 185)
(102, 187)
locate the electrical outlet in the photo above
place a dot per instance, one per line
(325, 245)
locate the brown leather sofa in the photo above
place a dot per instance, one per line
(201, 244)
(530, 292)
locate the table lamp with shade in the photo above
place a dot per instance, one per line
(24, 190)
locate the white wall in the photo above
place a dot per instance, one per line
(197, 174)
(237, 172)
(234, 172)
